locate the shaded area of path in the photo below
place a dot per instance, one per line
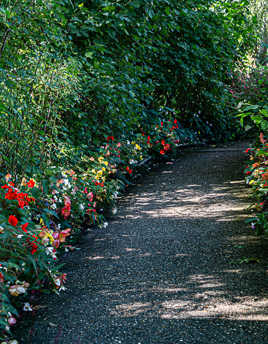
(161, 272)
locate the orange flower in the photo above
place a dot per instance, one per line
(7, 177)
(262, 138)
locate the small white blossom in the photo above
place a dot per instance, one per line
(50, 252)
(27, 307)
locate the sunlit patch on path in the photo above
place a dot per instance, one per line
(166, 268)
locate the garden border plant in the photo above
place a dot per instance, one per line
(42, 218)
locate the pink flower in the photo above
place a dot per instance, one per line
(90, 196)
(12, 321)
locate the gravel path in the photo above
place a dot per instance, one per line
(166, 268)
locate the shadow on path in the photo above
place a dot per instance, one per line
(165, 270)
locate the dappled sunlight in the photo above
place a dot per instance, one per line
(202, 296)
(168, 260)
(193, 201)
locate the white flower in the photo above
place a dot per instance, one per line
(103, 225)
(81, 206)
(27, 307)
(57, 282)
(21, 290)
(114, 211)
(66, 184)
(132, 161)
(53, 206)
(50, 252)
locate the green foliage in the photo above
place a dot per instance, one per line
(256, 174)
(72, 73)
(90, 89)
(250, 93)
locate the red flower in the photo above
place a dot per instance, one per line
(34, 247)
(13, 220)
(247, 150)
(129, 170)
(23, 227)
(161, 124)
(31, 183)
(11, 194)
(167, 147)
(162, 151)
(110, 138)
(162, 142)
(66, 211)
(248, 172)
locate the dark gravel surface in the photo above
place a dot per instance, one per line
(166, 269)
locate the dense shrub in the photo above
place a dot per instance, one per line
(72, 73)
